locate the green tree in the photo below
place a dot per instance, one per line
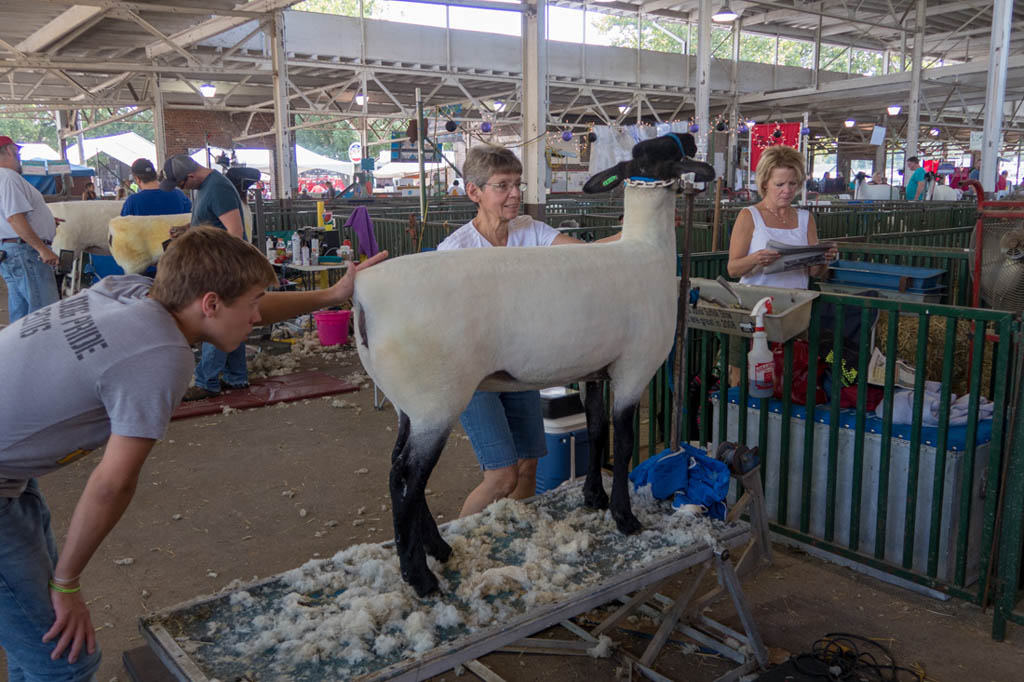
(28, 128)
(345, 8)
(333, 141)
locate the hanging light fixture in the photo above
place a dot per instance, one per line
(894, 110)
(207, 90)
(849, 123)
(360, 99)
(624, 109)
(934, 132)
(498, 106)
(724, 14)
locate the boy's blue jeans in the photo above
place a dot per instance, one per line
(28, 555)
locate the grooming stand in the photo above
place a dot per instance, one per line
(683, 615)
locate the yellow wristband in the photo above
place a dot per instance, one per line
(64, 590)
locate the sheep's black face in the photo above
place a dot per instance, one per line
(663, 158)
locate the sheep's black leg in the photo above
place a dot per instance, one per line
(594, 495)
(621, 508)
(410, 471)
(403, 436)
(429, 534)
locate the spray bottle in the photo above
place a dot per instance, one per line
(760, 362)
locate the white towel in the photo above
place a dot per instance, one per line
(903, 406)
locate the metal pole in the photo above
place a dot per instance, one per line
(282, 136)
(679, 364)
(159, 129)
(914, 110)
(420, 133)
(730, 162)
(804, 145)
(995, 92)
(701, 106)
(534, 107)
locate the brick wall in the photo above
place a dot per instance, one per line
(191, 129)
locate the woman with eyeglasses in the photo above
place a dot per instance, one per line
(506, 429)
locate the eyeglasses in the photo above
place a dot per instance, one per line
(506, 187)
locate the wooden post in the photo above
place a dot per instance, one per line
(718, 214)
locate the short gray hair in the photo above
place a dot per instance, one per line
(485, 160)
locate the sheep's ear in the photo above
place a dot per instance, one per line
(608, 179)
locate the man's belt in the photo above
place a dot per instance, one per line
(19, 240)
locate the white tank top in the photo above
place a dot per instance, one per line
(794, 279)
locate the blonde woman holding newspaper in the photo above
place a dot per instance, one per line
(780, 175)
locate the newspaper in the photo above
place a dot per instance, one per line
(795, 257)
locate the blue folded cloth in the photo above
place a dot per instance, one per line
(708, 485)
(666, 472)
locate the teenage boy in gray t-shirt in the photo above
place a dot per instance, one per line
(108, 365)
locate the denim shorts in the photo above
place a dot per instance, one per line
(28, 555)
(504, 428)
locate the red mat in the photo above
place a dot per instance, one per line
(268, 391)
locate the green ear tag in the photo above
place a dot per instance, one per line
(610, 180)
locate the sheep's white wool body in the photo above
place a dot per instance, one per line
(137, 241)
(85, 223)
(439, 325)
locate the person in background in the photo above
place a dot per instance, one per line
(1002, 183)
(506, 429)
(112, 385)
(917, 182)
(826, 183)
(27, 228)
(218, 204)
(943, 192)
(456, 190)
(878, 178)
(150, 199)
(90, 192)
(780, 174)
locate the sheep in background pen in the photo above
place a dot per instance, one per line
(136, 242)
(525, 319)
(85, 224)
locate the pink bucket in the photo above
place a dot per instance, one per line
(332, 326)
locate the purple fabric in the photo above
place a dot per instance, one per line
(361, 222)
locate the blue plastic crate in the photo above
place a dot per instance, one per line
(884, 275)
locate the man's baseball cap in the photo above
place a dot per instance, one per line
(176, 169)
(143, 166)
(4, 141)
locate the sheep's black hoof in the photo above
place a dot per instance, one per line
(439, 549)
(627, 523)
(425, 583)
(595, 498)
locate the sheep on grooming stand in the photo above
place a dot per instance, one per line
(434, 327)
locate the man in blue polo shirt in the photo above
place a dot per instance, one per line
(150, 199)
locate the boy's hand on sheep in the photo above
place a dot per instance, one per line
(342, 289)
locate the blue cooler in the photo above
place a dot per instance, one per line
(565, 434)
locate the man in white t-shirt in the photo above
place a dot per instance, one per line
(27, 229)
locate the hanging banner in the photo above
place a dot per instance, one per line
(764, 135)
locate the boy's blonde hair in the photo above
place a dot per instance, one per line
(208, 259)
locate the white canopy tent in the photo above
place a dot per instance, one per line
(125, 147)
(306, 159)
(38, 150)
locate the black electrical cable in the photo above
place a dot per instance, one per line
(844, 661)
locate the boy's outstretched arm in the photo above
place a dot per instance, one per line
(276, 306)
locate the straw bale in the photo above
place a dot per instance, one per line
(906, 348)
